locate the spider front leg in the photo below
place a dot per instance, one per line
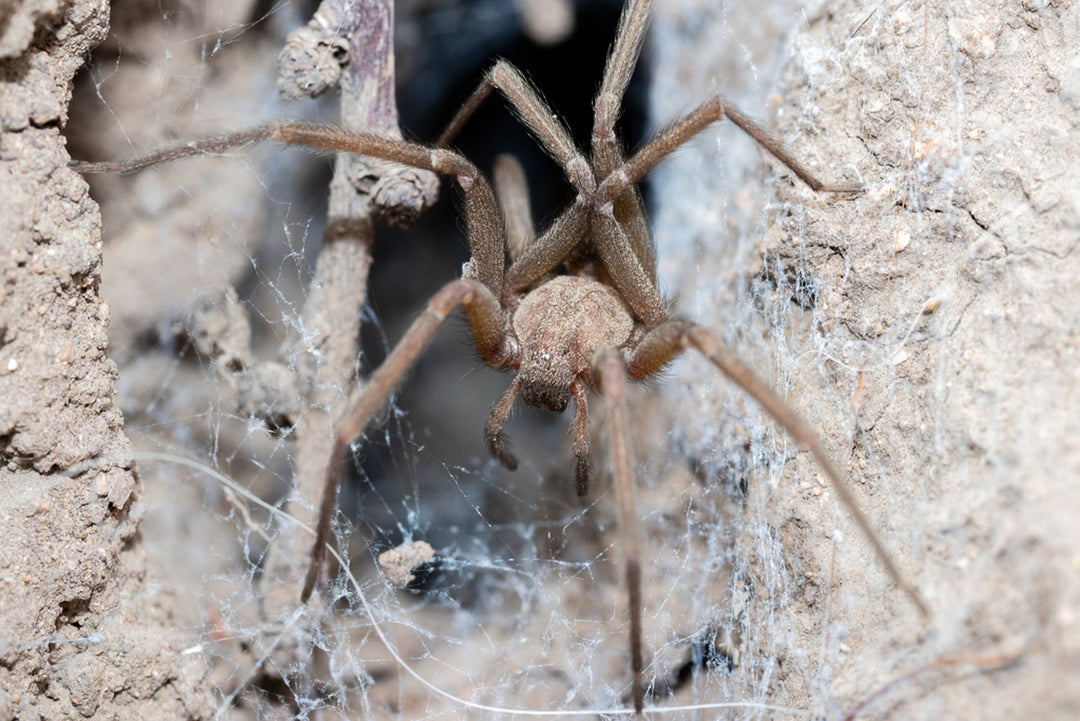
(607, 151)
(487, 241)
(609, 367)
(487, 322)
(531, 257)
(536, 115)
(483, 221)
(669, 339)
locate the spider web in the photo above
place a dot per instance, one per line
(758, 590)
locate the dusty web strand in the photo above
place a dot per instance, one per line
(239, 490)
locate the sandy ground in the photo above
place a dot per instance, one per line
(925, 327)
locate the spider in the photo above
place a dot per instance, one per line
(574, 309)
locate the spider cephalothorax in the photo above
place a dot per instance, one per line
(558, 328)
(576, 307)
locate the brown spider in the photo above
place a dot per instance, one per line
(575, 308)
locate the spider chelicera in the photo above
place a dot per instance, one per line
(574, 309)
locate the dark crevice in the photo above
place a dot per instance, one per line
(732, 470)
(707, 653)
(70, 611)
(12, 459)
(975, 219)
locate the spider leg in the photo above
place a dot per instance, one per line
(583, 461)
(553, 245)
(483, 221)
(512, 192)
(616, 252)
(690, 125)
(485, 317)
(609, 366)
(487, 240)
(665, 341)
(607, 153)
(531, 262)
(497, 442)
(629, 211)
(536, 115)
(216, 144)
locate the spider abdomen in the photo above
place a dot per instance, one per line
(559, 326)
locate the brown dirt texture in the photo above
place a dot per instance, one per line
(926, 327)
(81, 636)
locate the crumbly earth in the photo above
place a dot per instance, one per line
(925, 327)
(85, 632)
